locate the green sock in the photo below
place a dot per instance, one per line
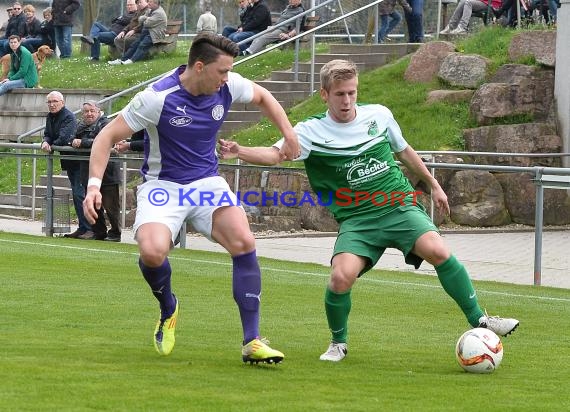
(456, 283)
(337, 307)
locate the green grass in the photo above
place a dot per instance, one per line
(78, 321)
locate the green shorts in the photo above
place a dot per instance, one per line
(369, 236)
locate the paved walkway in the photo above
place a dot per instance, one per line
(504, 257)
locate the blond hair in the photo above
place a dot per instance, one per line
(336, 70)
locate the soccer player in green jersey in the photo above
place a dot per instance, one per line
(348, 158)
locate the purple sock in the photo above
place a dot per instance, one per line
(159, 281)
(247, 293)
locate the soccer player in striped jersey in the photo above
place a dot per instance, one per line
(348, 158)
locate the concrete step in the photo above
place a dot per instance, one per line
(246, 116)
(41, 191)
(400, 49)
(18, 211)
(284, 86)
(57, 180)
(370, 60)
(306, 67)
(289, 76)
(31, 100)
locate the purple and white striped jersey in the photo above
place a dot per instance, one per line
(180, 129)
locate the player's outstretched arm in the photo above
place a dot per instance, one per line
(271, 109)
(266, 156)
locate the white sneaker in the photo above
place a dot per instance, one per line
(128, 61)
(446, 30)
(501, 326)
(458, 30)
(115, 62)
(335, 353)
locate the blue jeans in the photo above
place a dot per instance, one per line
(11, 84)
(100, 34)
(236, 37)
(63, 40)
(32, 44)
(78, 192)
(139, 48)
(389, 21)
(415, 21)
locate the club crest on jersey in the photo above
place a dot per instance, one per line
(218, 112)
(373, 128)
(180, 121)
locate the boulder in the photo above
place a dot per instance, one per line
(515, 90)
(464, 70)
(540, 44)
(515, 138)
(425, 62)
(449, 96)
(476, 199)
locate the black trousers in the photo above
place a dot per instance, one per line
(111, 207)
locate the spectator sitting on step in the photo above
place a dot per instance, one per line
(16, 25)
(100, 33)
(207, 22)
(279, 33)
(5, 24)
(46, 35)
(23, 72)
(132, 31)
(244, 7)
(32, 27)
(60, 130)
(389, 17)
(256, 19)
(154, 30)
(91, 123)
(461, 17)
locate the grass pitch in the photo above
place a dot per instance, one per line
(78, 318)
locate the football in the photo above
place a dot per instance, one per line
(479, 350)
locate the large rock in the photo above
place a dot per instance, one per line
(520, 200)
(464, 70)
(515, 90)
(516, 138)
(449, 96)
(476, 199)
(540, 44)
(425, 62)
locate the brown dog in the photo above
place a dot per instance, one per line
(5, 61)
(39, 57)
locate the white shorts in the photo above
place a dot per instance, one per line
(169, 203)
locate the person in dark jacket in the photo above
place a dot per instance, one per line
(16, 25)
(46, 35)
(60, 130)
(62, 11)
(91, 123)
(100, 33)
(256, 19)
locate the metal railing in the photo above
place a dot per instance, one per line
(543, 178)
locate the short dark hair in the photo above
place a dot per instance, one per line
(14, 36)
(206, 48)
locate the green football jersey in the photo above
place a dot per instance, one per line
(350, 166)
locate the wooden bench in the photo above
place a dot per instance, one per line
(168, 44)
